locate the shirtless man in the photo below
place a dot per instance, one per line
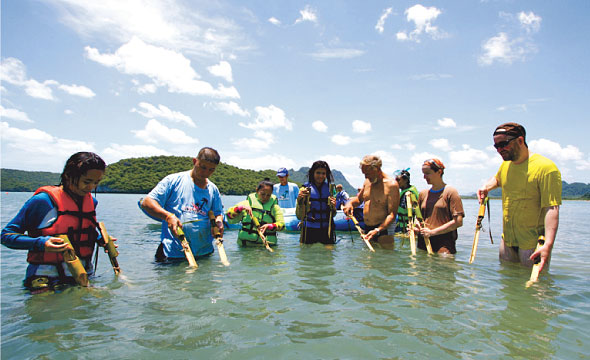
(381, 196)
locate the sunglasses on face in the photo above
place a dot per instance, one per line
(503, 144)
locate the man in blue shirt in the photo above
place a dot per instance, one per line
(184, 200)
(341, 197)
(285, 191)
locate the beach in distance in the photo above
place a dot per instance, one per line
(304, 301)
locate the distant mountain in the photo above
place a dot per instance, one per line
(140, 175)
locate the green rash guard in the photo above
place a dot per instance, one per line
(267, 213)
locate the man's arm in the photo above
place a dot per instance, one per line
(551, 225)
(354, 202)
(490, 185)
(154, 208)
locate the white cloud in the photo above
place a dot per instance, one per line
(154, 132)
(274, 21)
(271, 161)
(422, 17)
(441, 144)
(401, 36)
(513, 44)
(341, 139)
(430, 76)
(501, 48)
(164, 67)
(469, 158)
(514, 107)
(361, 127)
(447, 123)
(390, 162)
(116, 152)
(270, 117)
(68, 112)
(167, 23)
(39, 90)
(530, 22)
(150, 111)
(348, 165)
(337, 53)
(13, 71)
(14, 114)
(149, 88)
(32, 142)
(407, 146)
(319, 126)
(307, 14)
(555, 151)
(230, 108)
(223, 70)
(78, 90)
(256, 144)
(380, 26)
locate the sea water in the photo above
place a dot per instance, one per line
(304, 302)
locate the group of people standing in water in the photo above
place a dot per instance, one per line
(531, 195)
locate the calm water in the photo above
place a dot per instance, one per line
(304, 302)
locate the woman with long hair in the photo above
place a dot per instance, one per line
(316, 206)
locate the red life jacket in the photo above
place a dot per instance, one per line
(78, 223)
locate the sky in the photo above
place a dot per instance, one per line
(274, 84)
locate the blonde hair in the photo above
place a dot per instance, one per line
(372, 160)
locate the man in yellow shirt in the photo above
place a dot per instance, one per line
(531, 195)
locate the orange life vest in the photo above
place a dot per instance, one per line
(78, 223)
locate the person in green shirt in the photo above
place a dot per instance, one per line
(531, 195)
(403, 179)
(264, 206)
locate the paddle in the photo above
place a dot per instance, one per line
(537, 264)
(480, 215)
(261, 234)
(74, 264)
(110, 247)
(362, 232)
(218, 239)
(411, 223)
(186, 248)
(421, 224)
(332, 209)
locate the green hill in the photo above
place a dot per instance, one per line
(20, 180)
(140, 175)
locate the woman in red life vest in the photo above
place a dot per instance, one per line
(65, 209)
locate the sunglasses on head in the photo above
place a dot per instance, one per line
(503, 144)
(434, 162)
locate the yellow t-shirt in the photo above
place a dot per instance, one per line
(527, 188)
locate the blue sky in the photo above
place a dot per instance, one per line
(276, 83)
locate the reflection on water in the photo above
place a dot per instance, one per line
(302, 301)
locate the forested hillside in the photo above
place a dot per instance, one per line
(19, 180)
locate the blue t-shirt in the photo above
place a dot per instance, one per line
(286, 194)
(178, 194)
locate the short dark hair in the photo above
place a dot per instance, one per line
(209, 154)
(264, 183)
(78, 164)
(511, 129)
